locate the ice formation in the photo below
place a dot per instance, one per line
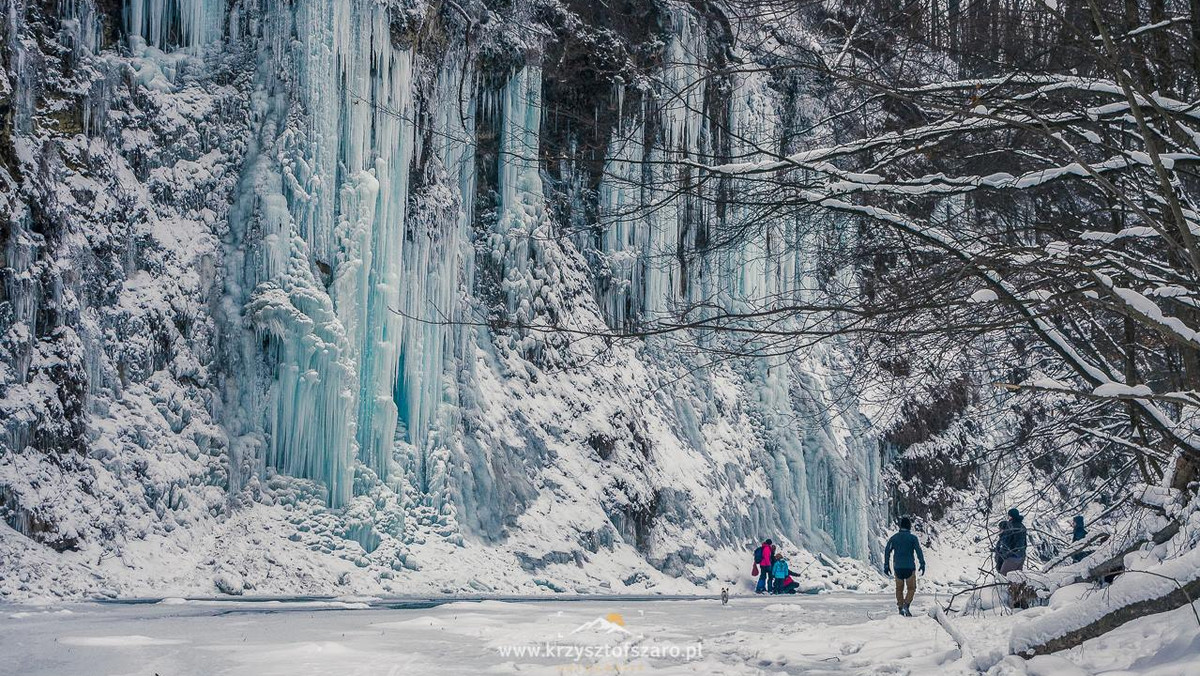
(371, 274)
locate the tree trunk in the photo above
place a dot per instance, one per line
(1177, 598)
(1185, 473)
(1116, 564)
(1195, 4)
(964, 649)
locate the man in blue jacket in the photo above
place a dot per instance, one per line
(904, 545)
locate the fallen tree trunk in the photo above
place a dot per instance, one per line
(1116, 564)
(1171, 584)
(1177, 598)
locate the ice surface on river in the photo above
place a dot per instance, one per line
(828, 634)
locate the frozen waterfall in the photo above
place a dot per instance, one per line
(355, 257)
(167, 24)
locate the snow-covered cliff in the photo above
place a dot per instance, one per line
(322, 294)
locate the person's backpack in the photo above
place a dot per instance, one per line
(758, 555)
(779, 570)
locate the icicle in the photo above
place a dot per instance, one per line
(644, 272)
(171, 24)
(522, 206)
(623, 226)
(431, 267)
(326, 270)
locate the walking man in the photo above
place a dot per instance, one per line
(903, 546)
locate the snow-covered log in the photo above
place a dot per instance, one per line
(1133, 595)
(1116, 563)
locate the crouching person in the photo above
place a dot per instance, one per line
(788, 586)
(779, 573)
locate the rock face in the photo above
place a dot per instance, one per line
(331, 287)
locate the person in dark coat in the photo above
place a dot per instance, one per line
(998, 557)
(902, 548)
(1079, 534)
(1010, 550)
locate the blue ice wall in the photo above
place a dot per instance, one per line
(821, 460)
(169, 24)
(352, 299)
(316, 253)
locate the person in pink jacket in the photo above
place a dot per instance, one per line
(762, 565)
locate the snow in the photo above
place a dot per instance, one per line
(1128, 588)
(824, 634)
(1122, 390)
(1142, 306)
(118, 641)
(315, 369)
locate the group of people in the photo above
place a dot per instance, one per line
(903, 559)
(774, 575)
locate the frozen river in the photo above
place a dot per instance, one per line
(416, 636)
(825, 634)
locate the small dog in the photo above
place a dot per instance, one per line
(724, 596)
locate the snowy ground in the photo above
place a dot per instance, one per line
(825, 634)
